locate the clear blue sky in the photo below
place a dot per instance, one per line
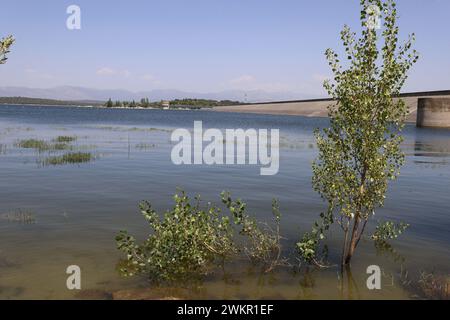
(203, 45)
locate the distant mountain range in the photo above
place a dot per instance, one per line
(72, 93)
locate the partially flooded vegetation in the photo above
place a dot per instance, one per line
(68, 158)
(19, 216)
(434, 286)
(42, 145)
(130, 129)
(60, 143)
(2, 148)
(33, 144)
(144, 146)
(66, 139)
(191, 240)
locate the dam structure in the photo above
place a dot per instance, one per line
(433, 112)
(426, 109)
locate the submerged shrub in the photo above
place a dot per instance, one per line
(189, 241)
(186, 240)
(263, 243)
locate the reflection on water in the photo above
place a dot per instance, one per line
(433, 152)
(429, 146)
(79, 208)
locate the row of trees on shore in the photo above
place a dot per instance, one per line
(176, 103)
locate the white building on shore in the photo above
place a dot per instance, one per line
(165, 104)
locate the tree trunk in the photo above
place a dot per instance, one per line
(353, 241)
(344, 248)
(355, 234)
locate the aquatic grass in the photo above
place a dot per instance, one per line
(60, 146)
(429, 285)
(2, 148)
(434, 286)
(65, 139)
(20, 216)
(130, 129)
(42, 145)
(149, 129)
(144, 146)
(9, 130)
(69, 158)
(33, 144)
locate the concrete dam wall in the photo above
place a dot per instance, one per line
(429, 117)
(433, 112)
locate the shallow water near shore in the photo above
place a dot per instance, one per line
(78, 209)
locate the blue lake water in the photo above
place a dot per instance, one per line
(78, 209)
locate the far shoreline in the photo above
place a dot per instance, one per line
(210, 109)
(312, 108)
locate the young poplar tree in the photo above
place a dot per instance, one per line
(5, 43)
(360, 151)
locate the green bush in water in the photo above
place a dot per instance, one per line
(189, 241)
